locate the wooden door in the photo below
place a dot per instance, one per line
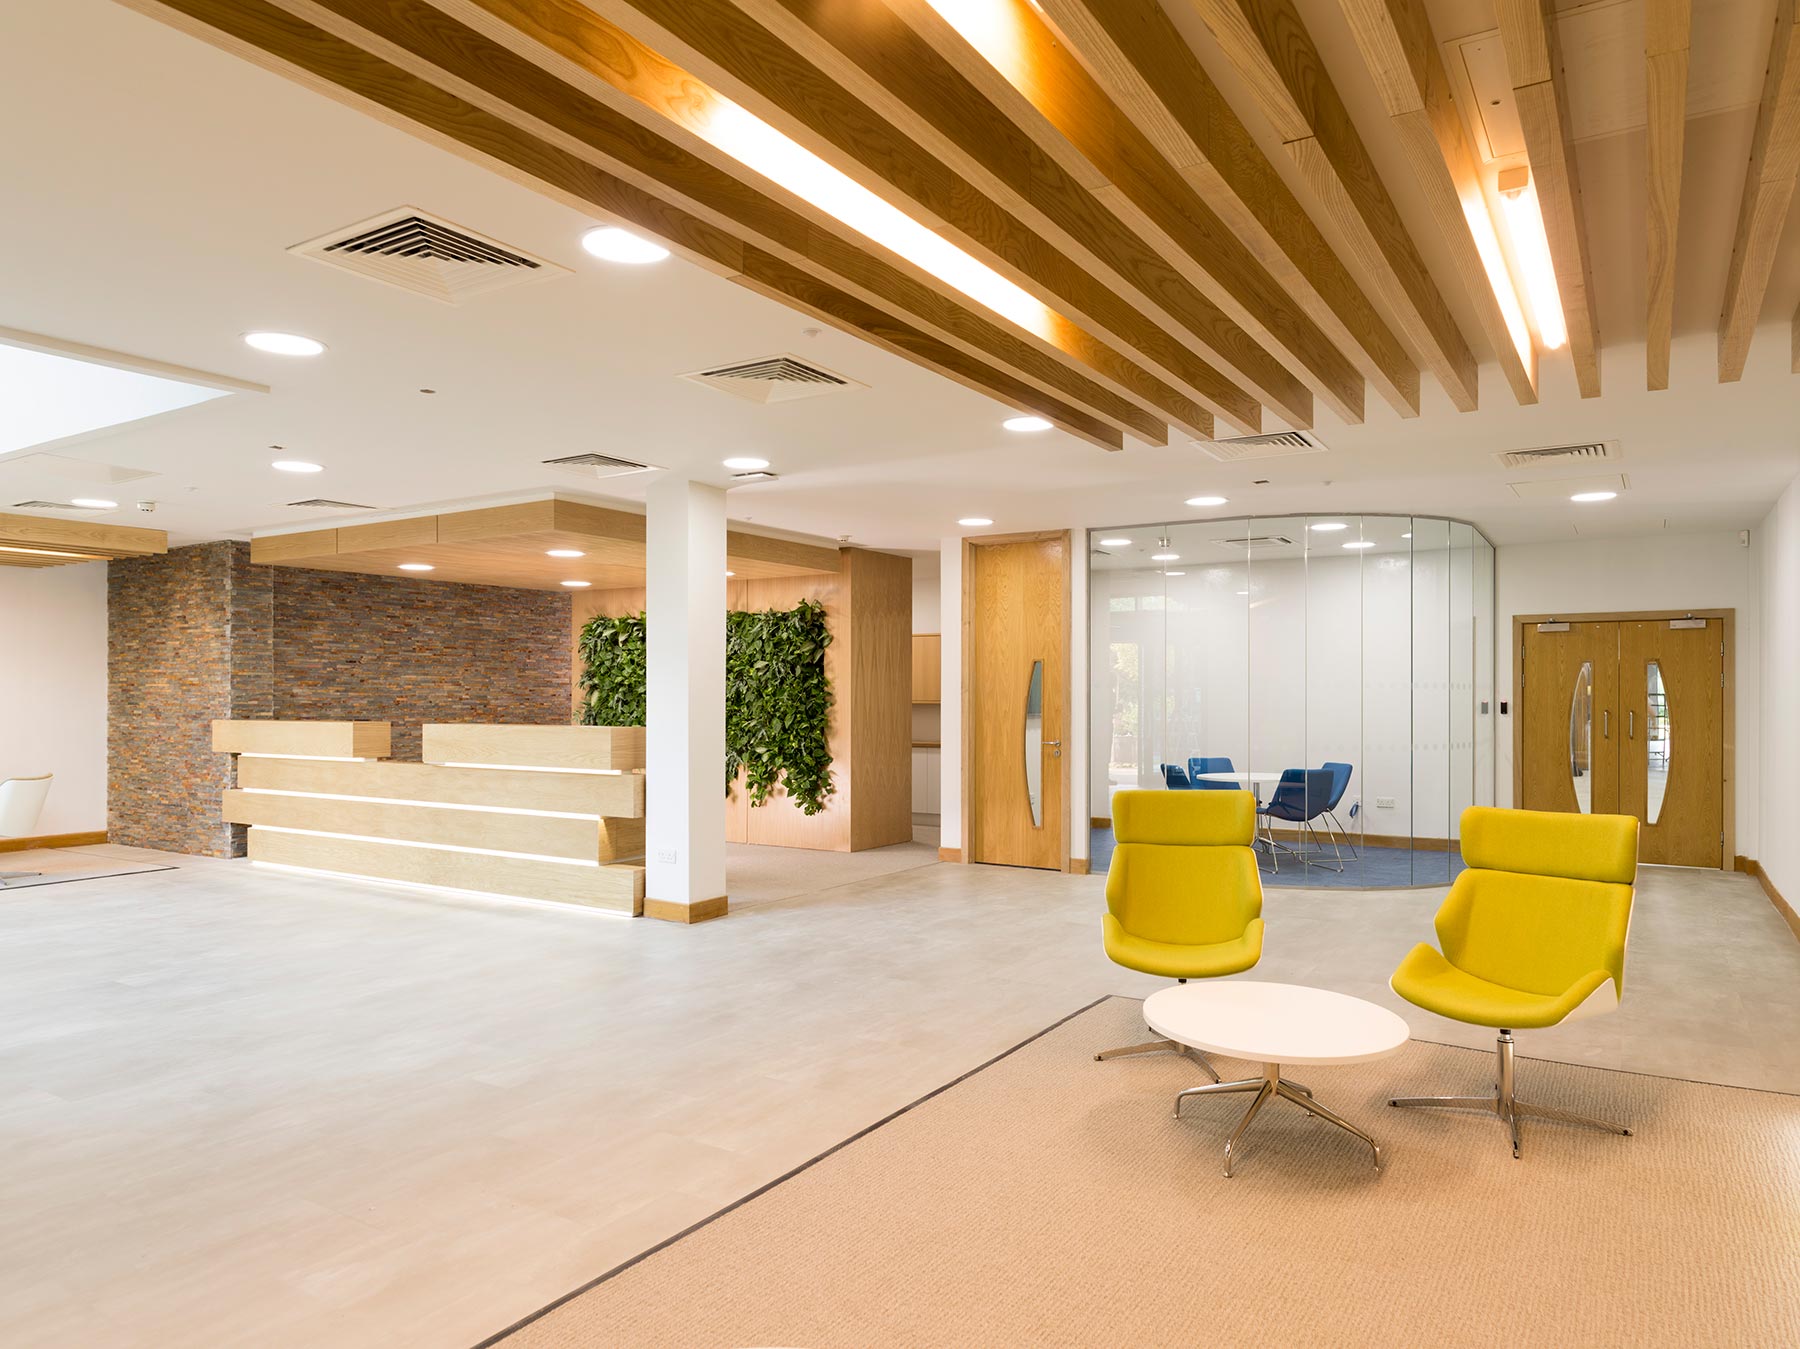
(1569, 747)
(1671, 754)
(1016, 649)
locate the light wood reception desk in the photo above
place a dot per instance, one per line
(533, 812)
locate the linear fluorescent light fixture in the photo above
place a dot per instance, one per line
(1531, 250)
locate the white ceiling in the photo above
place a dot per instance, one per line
(155, 182)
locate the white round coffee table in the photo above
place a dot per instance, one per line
(1274, 1024)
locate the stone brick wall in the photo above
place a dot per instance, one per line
(380, 648)
(201, 633)
(188, 640)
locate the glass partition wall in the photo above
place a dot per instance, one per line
(1339, 667)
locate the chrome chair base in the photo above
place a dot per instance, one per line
(1160, 1047)
(1269, 1085)
(1504, 1104)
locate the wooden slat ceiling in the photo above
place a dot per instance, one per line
(510, 545)
(1154, 270)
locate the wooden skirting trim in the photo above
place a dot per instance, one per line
(1078, 866)
(697, 912)
(52, 841)
(1100, 822)
(949, 854)
(1751, 867)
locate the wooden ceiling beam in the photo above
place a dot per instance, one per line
(1667, 24)
(711, 235)
(740, 59)
(1141, 60)
(1768, 190)
(879, 58)
(1006, 50)
(1270, 47)
(1401, 54)
(1534, 59)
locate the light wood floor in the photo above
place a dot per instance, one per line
(246, 1107)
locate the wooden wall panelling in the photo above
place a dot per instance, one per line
(313, 543)
(1401, 53)
(743, 59)
(413, 531)
(788, 555)
(1534, 59)
(1768, 190)
(1270, 46)
(1156, 77)
(927, 667)
(602, 749)
(1036, 81)
(323, 739)
(619, 887)
(572, 166)
(1666, 27)
(881, 713)
(613, 795)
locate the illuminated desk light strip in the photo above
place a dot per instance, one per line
(311, 758)
(435, 847)
(457, 892)
(431, 805)
(538, 768)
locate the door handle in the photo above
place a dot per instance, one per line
(1631, 724)
(1606, 723)
(1055, 745)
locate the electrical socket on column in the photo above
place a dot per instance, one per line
(1384, 803)
(667, 857)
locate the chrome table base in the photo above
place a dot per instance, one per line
(1504, 1104)
(1160, 1047)
(1272, 1084)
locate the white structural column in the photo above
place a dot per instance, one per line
(684, 792)
(950, 588)
(1077, 736)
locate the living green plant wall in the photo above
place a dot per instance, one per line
(777, 698)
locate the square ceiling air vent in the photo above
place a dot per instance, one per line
(1270, 445)
(599, 465)
(1257, 541)
(774, 379)
(326, 503)
(54, 506)
(431, 257)
(1563, 456)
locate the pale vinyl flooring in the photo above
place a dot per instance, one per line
(240, 1106)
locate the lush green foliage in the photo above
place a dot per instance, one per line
(612, 654)
(778, 703)
(777, 698)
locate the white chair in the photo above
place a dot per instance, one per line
(21, 802)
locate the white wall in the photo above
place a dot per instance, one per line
(1645, 572)
(927, 610)
(1778, 795)
(53, 688)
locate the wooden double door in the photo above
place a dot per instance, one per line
(1627, 717)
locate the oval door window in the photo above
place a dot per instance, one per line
(1581, 738)
(1034, 743)
(1657, 741)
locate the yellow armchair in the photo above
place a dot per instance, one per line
(1531, 935)
(1183, 894)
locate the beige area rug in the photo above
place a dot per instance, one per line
(1046, 1199)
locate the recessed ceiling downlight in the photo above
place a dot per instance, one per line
(417, 566)
(974, 522)
(577, 585)
(94, 503)
(1026, 424)
(1206, 501)
(296, 466)
(284, 344)
(1165, 557)
(617, 245)
(1115, 543)
(1360, 543)
(1328, 526)
(745, 463)
(565, 552)
(1579, 496)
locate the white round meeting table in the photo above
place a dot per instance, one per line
(1242, 779)
(1274, 1024)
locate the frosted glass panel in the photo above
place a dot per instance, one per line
(1659, 740)
(1581, 738)
(1034, 743)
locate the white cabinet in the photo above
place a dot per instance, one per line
(926, 793)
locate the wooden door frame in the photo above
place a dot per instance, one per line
(966, 655)
(1728, 764)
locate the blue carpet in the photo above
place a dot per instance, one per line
(1371, 869)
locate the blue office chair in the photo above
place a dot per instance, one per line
(1220, 765)
(1340, 782)
(1300, 798)
(1176, 780)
